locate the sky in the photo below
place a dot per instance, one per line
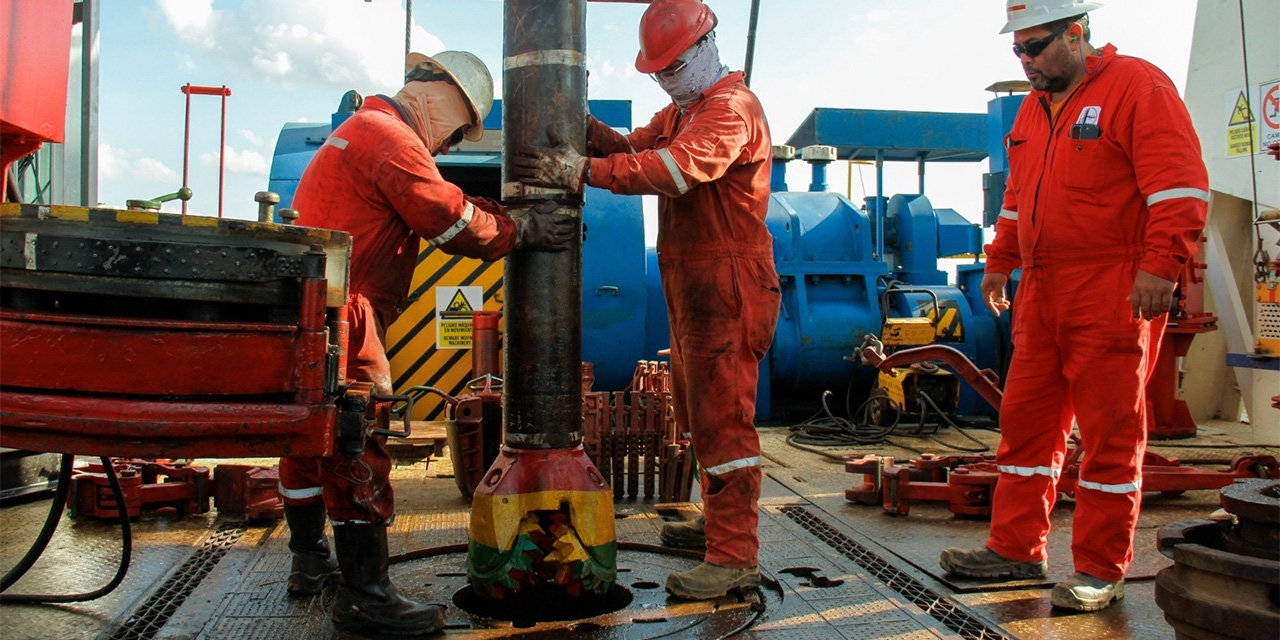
(291, 61)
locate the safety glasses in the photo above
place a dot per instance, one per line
(671, 71)
(1033, 48)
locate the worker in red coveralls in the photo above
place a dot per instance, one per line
(1105, 201)
(707, 158)
(375, 179)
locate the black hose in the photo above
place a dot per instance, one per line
(857, 430)
(46, 533)
(50, 525)
(982, 446)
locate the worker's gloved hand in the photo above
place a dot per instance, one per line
(540, 228)
(593, 145)
(993, 292)
(559, 166)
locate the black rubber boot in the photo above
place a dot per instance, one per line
(313, 564)
(366, 600)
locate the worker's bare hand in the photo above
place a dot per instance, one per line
(993, 285)
(1151, 297)
(540, 228)
(559, 166)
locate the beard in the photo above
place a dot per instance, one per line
(1045, 82)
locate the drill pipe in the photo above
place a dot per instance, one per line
(544, 87)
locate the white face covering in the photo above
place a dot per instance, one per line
(702, 69)
(436, 110)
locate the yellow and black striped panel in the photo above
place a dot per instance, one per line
(951, 326)
(411, 340)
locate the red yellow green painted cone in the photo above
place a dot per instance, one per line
(542, 517)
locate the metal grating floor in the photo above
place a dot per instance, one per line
(824, 595)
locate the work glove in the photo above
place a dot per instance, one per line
(540, 228)
(593, 145)
(559, 166)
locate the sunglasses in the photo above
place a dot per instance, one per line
(1033, 48)
(456, 138)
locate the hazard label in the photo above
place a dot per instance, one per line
(1241, 125)
(453, 315)
(459, 304)
(950, 327)
(1269, 109)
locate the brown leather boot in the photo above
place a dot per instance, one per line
(985, 563)
(366, 599)
(313, 564)
(686, 534)
(707, 581)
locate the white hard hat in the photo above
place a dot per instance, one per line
(465, 71)
(1024, 14)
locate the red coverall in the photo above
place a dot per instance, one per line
(1082, 214)
(374, 179)
(710, 168)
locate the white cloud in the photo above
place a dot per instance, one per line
(274, 64)
(879, 15)
(154, 171)
(328, 43)
(254, 139)
(248, 161)
(112, 162)
(187, 15)
(115, 163)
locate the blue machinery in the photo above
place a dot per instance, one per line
(843, 267)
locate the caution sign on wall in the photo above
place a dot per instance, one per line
(454, 306)
(1241, 125)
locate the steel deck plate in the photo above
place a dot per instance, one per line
(255, 605)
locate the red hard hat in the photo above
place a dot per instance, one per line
(668, 28)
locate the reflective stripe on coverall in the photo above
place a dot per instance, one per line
(1081, 217)
(710, 168)
(374, 179)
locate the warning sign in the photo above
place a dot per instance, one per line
(453, 315)
(1241, 126)
(459, 304)
(1240, 113)
(1269, 109)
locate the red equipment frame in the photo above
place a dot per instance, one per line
(64, 409)
(184, 487)
(190, 90)
(967, 483)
